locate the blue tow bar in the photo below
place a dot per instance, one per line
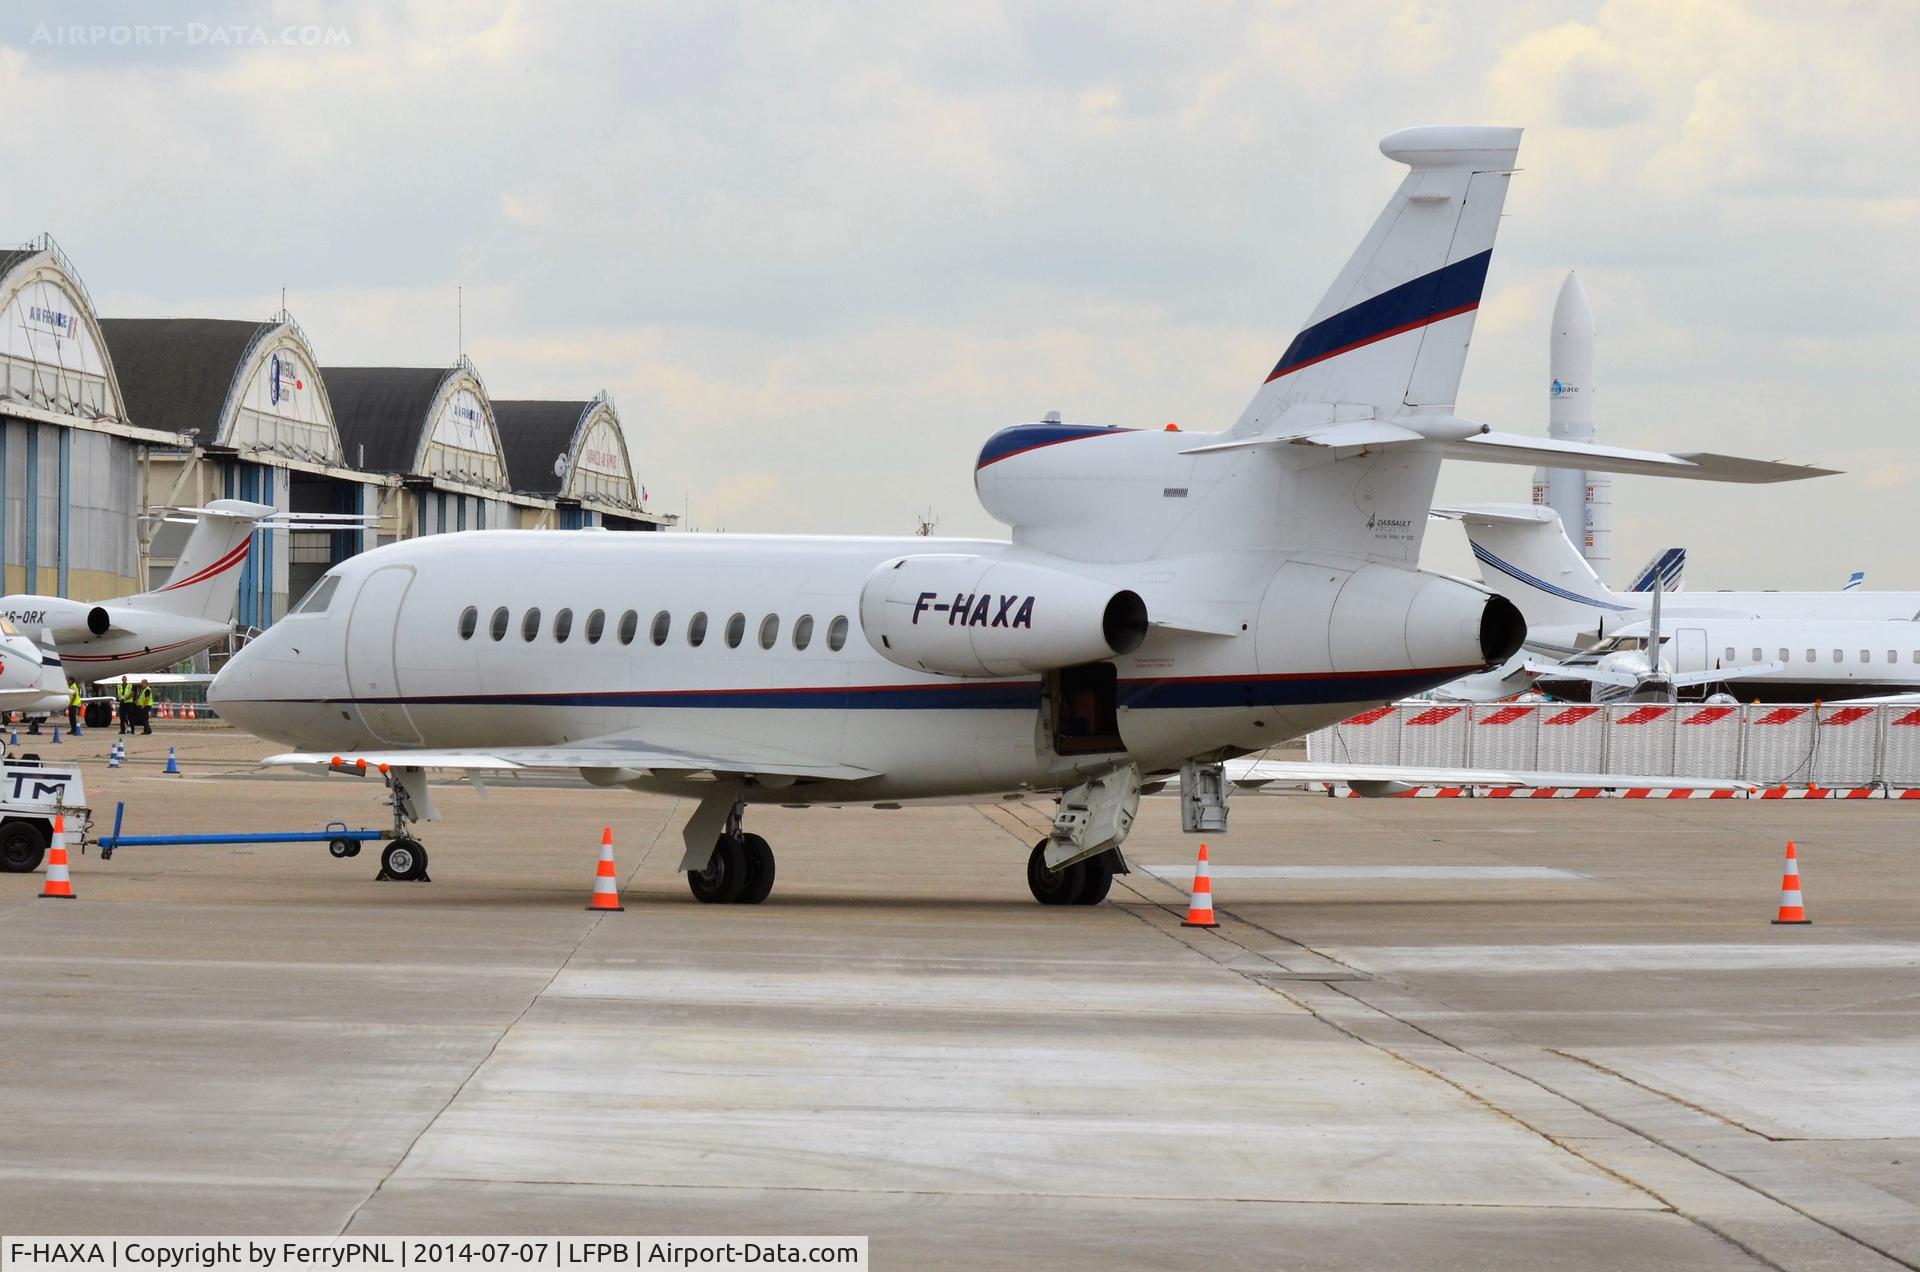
(335, 833)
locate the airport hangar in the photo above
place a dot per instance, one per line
(101, 418)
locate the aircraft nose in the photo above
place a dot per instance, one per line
(234, 691)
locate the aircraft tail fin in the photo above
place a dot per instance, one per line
(1391, 334)
(1525, 555)
(206, 579)
(1667, 567)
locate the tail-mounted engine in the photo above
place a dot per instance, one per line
(964, 615)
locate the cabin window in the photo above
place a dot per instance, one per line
(1893, 655)
(662, 624)
(769, 631)
(1756, 653)
(563, 625)
(596, 626)
(1786, 656)
(697, 629)
(803, 631)
(1836, 655)
(1729, 653)
(499, 624)
(736, 630)
(530, 624)
(1866, 655)
(837, 634)
(469, 620)
(319, 596)
(1811, 655)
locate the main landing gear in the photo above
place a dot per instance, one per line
(739, 870)
(1085, 882)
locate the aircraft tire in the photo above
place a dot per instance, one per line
(1099, 880)
(22, 847)
(725, 877)
(1053, 887)
(760, 870)
(404, 859)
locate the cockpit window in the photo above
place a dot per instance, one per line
(318, 596)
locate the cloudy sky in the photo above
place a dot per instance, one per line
(819, 252)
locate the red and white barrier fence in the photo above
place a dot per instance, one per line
(1841, 751)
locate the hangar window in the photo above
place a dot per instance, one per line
(769, 631)
(530, 624)
(697, 629)
(499, 627)
(629, 624)
(662, 624)
(803, 631)
(596, 624)
(469, 619)
(318, 596)
(837, 634)
(563, 625)
(736, 630)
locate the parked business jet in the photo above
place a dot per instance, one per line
(1167, 601)
(32, 678)
(1765, 646)
(151, 630)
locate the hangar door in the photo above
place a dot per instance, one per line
(372, 677)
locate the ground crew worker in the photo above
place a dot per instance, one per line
(144, 699)
(73, 706)
(123, 703)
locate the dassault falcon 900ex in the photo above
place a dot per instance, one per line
(1168, 601)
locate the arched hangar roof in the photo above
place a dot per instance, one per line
(251, 386)
(434, 422)
(569, 450)
(53, 358)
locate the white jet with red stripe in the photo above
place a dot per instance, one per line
(152, 630)
(1165, 601)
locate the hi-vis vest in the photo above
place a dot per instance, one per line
(73, 695)
(146, 697)
(123, 691)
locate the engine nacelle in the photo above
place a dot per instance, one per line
(964, 615)
(67, 620)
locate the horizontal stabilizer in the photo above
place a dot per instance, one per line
(1347, 433)
(1512, 448)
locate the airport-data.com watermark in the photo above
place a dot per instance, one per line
(188, 35)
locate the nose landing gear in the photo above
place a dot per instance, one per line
(1085, 882)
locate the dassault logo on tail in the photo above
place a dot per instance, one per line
(968, 610)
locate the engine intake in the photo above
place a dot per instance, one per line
(963, 615)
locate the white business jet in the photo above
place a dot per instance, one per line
(1168, 601)
(151, 630)
(1764, 646)
(32, 677)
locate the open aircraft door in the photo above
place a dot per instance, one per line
(372, 676)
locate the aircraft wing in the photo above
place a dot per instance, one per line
(612, 754)
(1391, 779)
(160, 678)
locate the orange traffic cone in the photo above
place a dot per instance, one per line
(192, 712)
(58, 884)
(1200, 908)
(1792, 909)
(606, 893)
